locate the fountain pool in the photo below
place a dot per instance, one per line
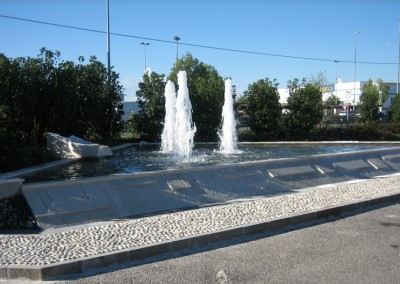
(148, 158)
(177, 175)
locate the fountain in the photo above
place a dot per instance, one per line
(178, 132)
(227, 134)
(168, 135)
(184, 127)
(145, 181)
(179, 129)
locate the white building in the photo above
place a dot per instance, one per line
(392, 93)
(128, 108)
(348, 94)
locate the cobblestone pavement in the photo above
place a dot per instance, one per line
(66, 244)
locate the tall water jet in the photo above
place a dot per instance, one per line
(227, 133)
(184, 127)
(168, 134)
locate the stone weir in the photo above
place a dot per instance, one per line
(70, 202)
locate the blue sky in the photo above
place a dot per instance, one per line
(312, 29)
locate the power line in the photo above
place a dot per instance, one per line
(198, 45)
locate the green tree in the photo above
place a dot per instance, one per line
(206, 92)
(304, 105)
(265, 110)
(49, 95)
(11, 120)
(44, 94)
(395, 109)
(100, 99)
(107, 120)
(25, 96)
(151, 101)
(242, 100)
(373, 95)
(132, 125)
(332, 100)
(319, 80)
(67, 106)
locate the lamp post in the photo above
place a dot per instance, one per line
(145, 63)
(108, 40)
(355, 67)
(177, 38)
(398, 65)
(336, 82)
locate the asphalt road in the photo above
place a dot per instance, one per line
(362, 248)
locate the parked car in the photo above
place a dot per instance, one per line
(355, 113)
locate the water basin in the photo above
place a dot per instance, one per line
(136, 159)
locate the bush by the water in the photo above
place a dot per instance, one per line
(45, 94)
(384, 131)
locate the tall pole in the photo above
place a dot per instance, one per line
(177, 38)
(398, 64)
(145, 63)
(336, 82)
(355, 67)
(108, 41)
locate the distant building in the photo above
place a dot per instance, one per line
(128, 108)
(348, 98)
(348, 94)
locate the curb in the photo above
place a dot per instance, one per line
(81, 265)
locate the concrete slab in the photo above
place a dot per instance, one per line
(10, 187)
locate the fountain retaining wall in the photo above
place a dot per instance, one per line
(70, 202)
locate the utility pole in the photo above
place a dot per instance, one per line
(355, 67)
(108, 41)
(398, 64)
(177, 38)
(145, 63)
(336, 82)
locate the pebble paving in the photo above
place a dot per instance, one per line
(56, 246)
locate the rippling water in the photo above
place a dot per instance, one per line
(149, 158)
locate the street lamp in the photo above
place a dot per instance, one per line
(108, 40)
(145, 63)
(336, 82)
(355, 67)
(398, 65)
(177, 38)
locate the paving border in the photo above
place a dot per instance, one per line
(84, 264)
